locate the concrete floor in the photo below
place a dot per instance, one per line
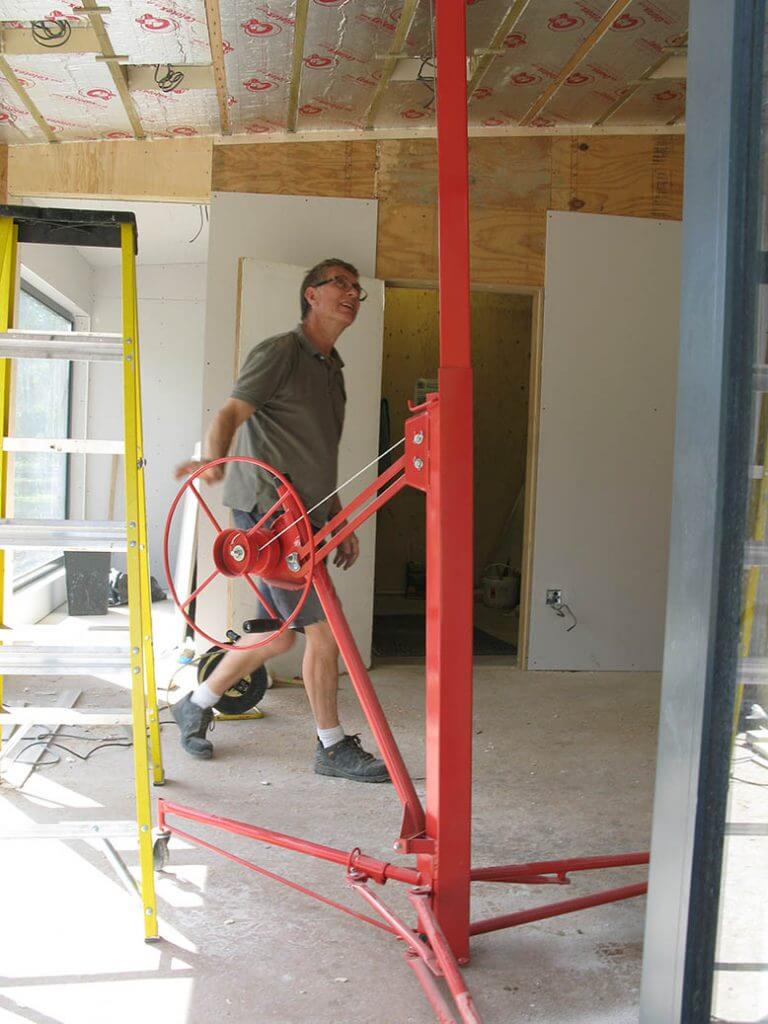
(563, 766)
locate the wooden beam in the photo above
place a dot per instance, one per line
(407, 14)
(7, 71)
(216, 41)
(3, 174)
(508, 22)
(299, 35)
(614, 11)
(118, 74)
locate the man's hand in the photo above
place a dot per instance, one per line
(347, 552)
(211, 476)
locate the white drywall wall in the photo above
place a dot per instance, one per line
(604, 484)
(298, 230)
(171, 320)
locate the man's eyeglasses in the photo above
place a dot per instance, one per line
(344, 285)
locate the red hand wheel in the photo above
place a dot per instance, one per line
(277, 549)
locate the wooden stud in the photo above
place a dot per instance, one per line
(216, 42)
(7, 71)
(299, 34)
(508, 22)
(614, 11)
(119, 77)
(407, 14)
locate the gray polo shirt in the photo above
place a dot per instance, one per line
(299, 398)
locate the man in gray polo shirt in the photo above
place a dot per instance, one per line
(287, 409)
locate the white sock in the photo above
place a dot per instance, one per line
(330, 736)
(204, 696)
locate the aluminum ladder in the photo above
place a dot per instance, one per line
(33, 651)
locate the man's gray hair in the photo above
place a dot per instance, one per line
(319, 273)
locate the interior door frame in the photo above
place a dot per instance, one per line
(536, 294)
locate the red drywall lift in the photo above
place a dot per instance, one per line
(437, 460)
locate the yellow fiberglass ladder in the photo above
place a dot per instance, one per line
(38, 651)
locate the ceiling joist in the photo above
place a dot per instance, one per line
(299, 35)
(7, 71)
(496, 47)
(216, 41)
(407, 15)
(615, 11)
(119, 77)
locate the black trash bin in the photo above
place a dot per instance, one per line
(87, 576)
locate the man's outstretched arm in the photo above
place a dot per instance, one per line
(218, 440)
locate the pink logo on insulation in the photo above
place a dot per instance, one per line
(492, 122)
(314, 60)
(184, 130)
(541, 122)
(227, 48)
(564, 22)
(667, 94)
(152, 24)
(5, 117)
(626, 22)
(254, 27)
(101, 94)
(515, 39)
(523, 78)
(257, 85)
(310, 108)
(482, 93)
(118, 135)
(577, 78)
(412, 114)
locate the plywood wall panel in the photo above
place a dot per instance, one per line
(341, 169)
(167, 169)
(507, 246)
(407, 241)
(633, 176)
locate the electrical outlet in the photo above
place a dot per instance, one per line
(554, 597)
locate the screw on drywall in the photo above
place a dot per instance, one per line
(418, 463)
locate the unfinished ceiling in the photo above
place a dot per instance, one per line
(170, 68)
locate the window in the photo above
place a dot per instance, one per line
(41, 409)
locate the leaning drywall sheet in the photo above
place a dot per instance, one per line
(604, 485)
(299, 230)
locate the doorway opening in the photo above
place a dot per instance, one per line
(502, 333)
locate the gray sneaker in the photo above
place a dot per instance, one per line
(193, 723)
(347, 760)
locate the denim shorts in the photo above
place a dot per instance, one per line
(283, 601)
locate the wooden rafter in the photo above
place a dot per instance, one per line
(394, 54)
(616, 9)
(495, 49)
(216, 41)
(7, 71)
(95, 16)
(299, 35)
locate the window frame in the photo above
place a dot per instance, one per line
(25, 579)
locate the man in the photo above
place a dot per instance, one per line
(287, 409)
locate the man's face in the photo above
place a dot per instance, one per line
(339, 299)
